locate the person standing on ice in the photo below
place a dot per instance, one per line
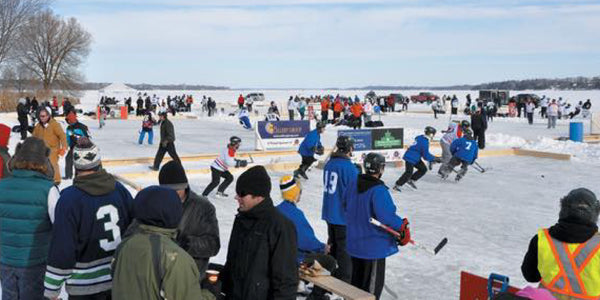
(479, 126)
(53, 135)
(220, 168)
(75, 130)
(292, 106)
(552, 113)
(90, 218)
(564, 258)
(338, 175)
(529, 109)
(147, 128)
(240, 101)
(261, 256)
(413, 159)
(464, 152)
(198, 231)
(368, 245)
(310, 146)
(167, 141)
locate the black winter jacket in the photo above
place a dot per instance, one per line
(261, 262)
(478, 121)
(566, 231)
(198, 231)
(167, 132)
(22, 112)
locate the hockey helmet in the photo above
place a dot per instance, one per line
(430, 131)
(234, 140)
(468, 134)
(374, 163)
(465, 124)
(321, 125)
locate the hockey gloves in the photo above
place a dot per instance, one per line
(404, 231)
(319, 150)
(241, 163)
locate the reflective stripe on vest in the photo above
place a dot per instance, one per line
(571, 264)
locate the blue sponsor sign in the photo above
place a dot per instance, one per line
(362, 138)
(283, 129)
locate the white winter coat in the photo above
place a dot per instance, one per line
(529, 107)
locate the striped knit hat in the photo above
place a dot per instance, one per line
(86, 155)
(290, 189)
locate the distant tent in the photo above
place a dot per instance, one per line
(115, 88)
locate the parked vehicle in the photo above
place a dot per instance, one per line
(424, 97)
(256, 96)
(522, 98)
(398, 98)
(499, 97)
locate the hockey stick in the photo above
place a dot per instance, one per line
(391, 231)
(390, 291)
(251, 159)
(479, 167)
(128, 182)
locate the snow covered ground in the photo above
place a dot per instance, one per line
(488, 218)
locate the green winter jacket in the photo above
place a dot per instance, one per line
(136, 276)
(167, 132)
(25, 227)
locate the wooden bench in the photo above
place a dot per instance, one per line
(338, 287)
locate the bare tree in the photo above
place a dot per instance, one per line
(13, 15)
(52, 49)
(17, 77)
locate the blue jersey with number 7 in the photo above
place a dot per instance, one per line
(338, 174)
(464, 149)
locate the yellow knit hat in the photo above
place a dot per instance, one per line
(290, 188)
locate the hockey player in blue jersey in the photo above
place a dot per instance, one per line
(310, 146)
(413, 159)
(464, 152)
(90, 218)
(369, 245)
(339, 173)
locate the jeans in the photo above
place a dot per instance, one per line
(143, 134)
(22, 283)
(552, 121)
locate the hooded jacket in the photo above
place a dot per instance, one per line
(370, 198)
(419, 149)
(89, 219)
(261, 261)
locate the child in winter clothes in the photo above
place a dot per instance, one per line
(147, 127)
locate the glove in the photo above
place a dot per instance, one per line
(437, 159)
(62, 151)
(241, 163)
(320, 150)
(404, 231)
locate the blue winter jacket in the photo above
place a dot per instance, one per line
(370, 199)
(311, 141)
(464, 149)
(307, 241)
(339, 173)
(25, 228)
(419, 149)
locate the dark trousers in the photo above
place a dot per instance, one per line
(408, 172)
(543, 112)
(307, 161)
(106, 295)
(530, 118)
(69, 164)
(369, 275)
(336, 115)
(22, 283)
(324, 115)
(170, 148)
(291, 114)
(337, 240)
(404, 106)
(216, 178)
(23, 126)
(356, 122)
(519, 108)
(455, 110)
(479, 134)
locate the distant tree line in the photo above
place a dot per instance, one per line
(572, 83)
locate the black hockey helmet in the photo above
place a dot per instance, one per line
(465, 124)
(430, 131)
(468, 134)
(374, 163)
(234, 140)
(321, 124)
(344, 144)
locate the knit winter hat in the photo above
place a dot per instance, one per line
(86, 155)
(290, 189)
(158, 206)
(255, 181)
(33, 150)
(580, 205)
(172, 175)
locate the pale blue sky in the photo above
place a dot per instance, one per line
(337, 43)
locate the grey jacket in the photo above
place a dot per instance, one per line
(198, 231)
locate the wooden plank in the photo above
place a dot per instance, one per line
(496, 152)
(542, 154)
(338, 287)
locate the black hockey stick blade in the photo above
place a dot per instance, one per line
(251, 159)
(441, 245)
